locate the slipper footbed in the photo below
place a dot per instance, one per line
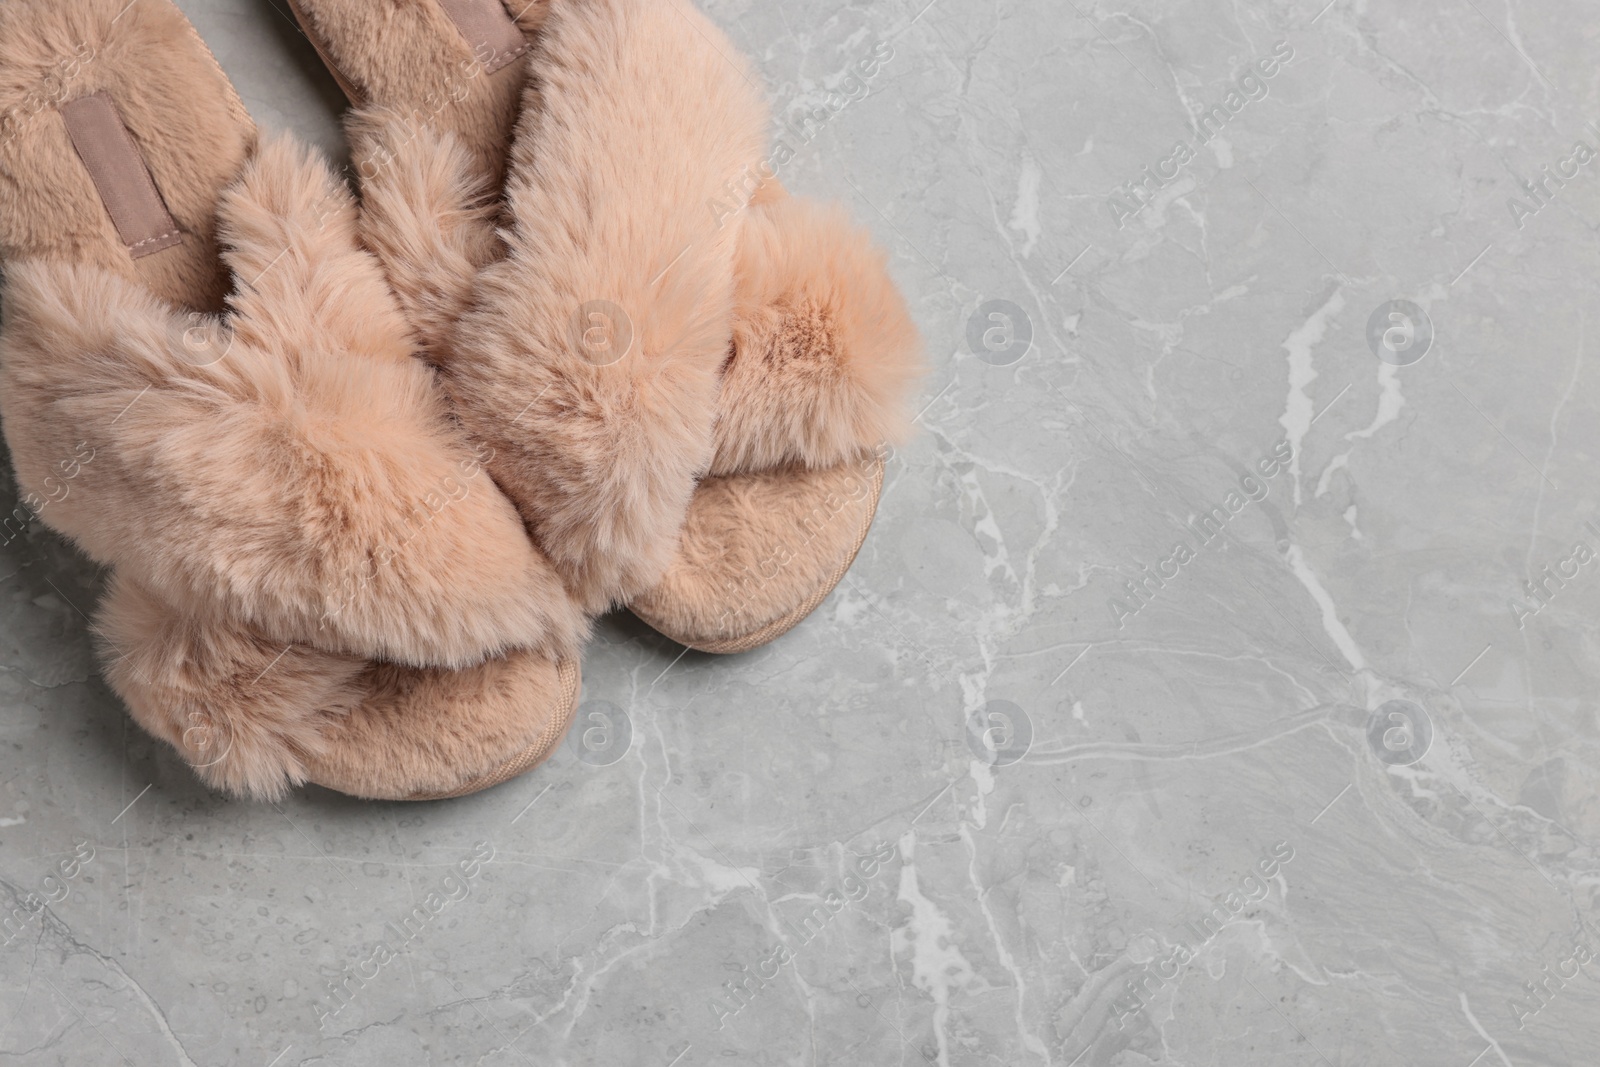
(752, 547)
(49, 207)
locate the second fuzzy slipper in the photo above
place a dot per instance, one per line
(629, 340)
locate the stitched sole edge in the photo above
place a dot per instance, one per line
(534, 754)
(728, 646)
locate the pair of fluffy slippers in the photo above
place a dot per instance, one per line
(364, 480)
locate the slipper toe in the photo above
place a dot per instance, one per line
(824, 356)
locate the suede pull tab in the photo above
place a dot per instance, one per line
(489, 29)
(119, 175)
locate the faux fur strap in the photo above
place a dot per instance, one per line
(824, 349)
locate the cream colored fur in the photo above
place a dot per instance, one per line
(643, 111)
(304, 475)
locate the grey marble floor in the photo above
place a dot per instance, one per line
(1217, 687)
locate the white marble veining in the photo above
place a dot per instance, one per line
(1218, 685)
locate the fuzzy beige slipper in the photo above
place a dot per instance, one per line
(631, 337)
(281, 490)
